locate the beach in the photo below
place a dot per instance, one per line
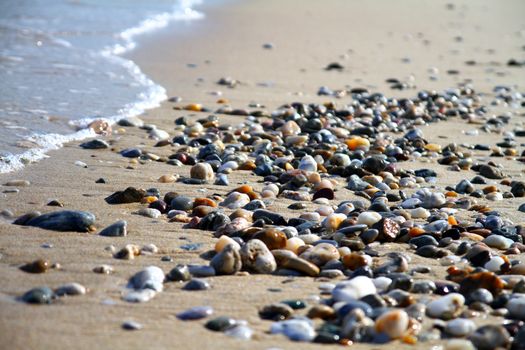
(277, 52)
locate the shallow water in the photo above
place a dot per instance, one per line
(61, 67)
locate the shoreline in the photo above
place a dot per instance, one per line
(229, 43)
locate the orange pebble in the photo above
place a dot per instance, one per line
(452, 220)
(416, 231)
(451, 194)
(149, 199)
(244, 189)
(195, 107)
(357, 142)
(222, 101)
(204, 201)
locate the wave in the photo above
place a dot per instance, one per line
(151, 97)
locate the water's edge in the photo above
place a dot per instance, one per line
(151, 96)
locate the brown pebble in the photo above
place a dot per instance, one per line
(273, 238)
(37, 266)
(323, 312)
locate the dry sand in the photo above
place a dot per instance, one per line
(373, 40)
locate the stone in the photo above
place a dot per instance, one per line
(202, 171)
(491, 172)
(95, 144)
(446, 307)
(129, 195)
(152, 277)
(288, 260)
(118, 229)
(195, 313)
(220, 324)
(490, 337)
(39, 295)
(66, 220)
(355, 288)
(132, 325)
(196, 284)
(295, 329)
(257, 257)
(71, 289)
(393, 323)
(37, 266)
(180, 273)
(368, 218)
(227, 261)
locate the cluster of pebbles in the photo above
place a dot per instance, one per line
(315, 155)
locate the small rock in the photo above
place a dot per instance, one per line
(118, 229)
(195, 313)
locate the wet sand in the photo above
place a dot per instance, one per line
(373, 41)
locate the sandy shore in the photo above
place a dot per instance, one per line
(372, 40)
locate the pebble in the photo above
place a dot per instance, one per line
(95, 144)
(196, 284)
(71, 289)
(129, 195)
(497, 241)
(516, 307)
(39, 295)
(220, 324)
(257, 257)
(446, 307)
(288, 260)
(103, 269)
(118, 229)
(17, 183)
(132, 326)
(368, 218)
(227, 261)
(241, 332)
(180, 273)
(356, 288)
(150, 213)
(37, 266)
(202, 171)
(195, 313)
(393, 323)
(296, 329)
(139, 296)
(66, 220)
(152, 277)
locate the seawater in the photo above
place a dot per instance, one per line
(61, 67)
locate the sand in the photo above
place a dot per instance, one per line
(373, 40)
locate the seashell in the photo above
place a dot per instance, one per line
(202, 171)
(71, 289)
(66, 220)
(118, 229)
(257, 257)
(195, 313)
(353, 289)
(446, 307)
(152, 277)
(393, 323)
(289, 260)
(227, 261)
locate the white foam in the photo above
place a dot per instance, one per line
(151, 97)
